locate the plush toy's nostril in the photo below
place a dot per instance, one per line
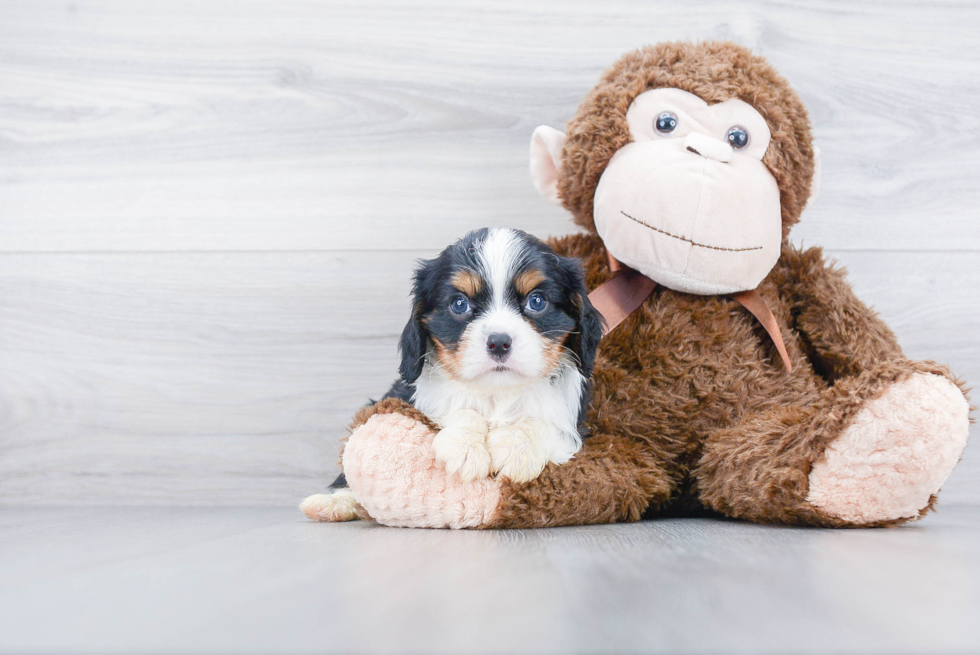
(498, 345)
(707, 147)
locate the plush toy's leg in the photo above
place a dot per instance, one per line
(872, 450)
(392, 470)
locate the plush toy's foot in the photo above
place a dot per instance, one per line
(895, 455)
(391, 467)
(516, 452)
(337, 506)
(871, 450)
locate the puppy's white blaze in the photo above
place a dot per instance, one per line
(499, 255)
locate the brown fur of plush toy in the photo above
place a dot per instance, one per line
(722, 424)
(695, 379)
(390, 406)
(693, 410)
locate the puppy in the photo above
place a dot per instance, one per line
(499, 354)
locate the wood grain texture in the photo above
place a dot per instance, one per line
(209, 211)
(182, 125)
(253, 580)
(202, 379)
(164, 377)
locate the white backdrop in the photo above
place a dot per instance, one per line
(209, 211)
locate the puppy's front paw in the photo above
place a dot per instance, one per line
(461, 446)
(516, 451)
(337, 506)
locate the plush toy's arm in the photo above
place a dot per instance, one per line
(393, 473)
(844, 337)
(611, 479)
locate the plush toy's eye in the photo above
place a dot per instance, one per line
(737, 137)
(459, 306)
(536, 302)
(666, 123)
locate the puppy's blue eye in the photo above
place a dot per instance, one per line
(460, 305)
(536, 302)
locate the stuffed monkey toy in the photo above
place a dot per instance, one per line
(749, 381)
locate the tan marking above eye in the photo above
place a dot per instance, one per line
(468, 282)
(527, 281)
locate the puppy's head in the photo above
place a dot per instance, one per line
(498, 308)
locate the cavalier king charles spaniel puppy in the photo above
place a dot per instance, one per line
(498, 353)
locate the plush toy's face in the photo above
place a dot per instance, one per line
(678, 188)
(689, 203)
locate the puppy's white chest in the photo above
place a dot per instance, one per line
(543, 413)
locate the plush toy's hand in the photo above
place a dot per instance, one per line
(516, 451)
(391, 467)
(461, 445)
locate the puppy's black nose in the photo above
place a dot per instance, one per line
(498, 345)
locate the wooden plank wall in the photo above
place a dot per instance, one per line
(209, 211)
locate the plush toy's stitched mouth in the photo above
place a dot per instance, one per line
(693, 243)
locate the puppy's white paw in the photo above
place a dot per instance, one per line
(517, 451)
(337, 506)
(461, 445)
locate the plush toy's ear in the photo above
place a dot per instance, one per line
(546, 145)
(815, 181)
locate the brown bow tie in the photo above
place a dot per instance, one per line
(621, 295)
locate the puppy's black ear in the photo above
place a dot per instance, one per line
(589, 335)
(415, 337)
(412, 347)
(589, 322)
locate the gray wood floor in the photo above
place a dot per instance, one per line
(264, 580)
